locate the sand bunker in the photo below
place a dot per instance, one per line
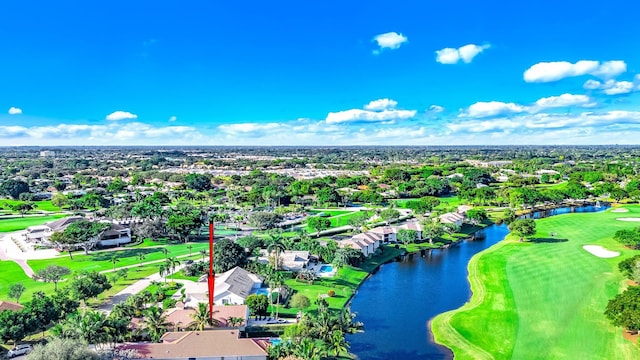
(620, 210)
(599, 251)
(628, 219)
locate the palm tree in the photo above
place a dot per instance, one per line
(165, 251)
(155, 323)
(278, 247)
(114, 259)
(337, 344)
(307, 349)
(140, 257)
(190, 247)
(204, 253)
(171, 264)
(163, 270)
(201, 318)
(276, 279)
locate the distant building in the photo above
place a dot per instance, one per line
(41, 234)
(47, 153)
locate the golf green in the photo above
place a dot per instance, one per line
(543, 299)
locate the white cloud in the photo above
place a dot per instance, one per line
(121, 115)
(592, 84)
(465, 53)
(354, 115)
(113, 133)
(564, 100)
(492, 108)
(381, 104)
(173, 118)
(247, 128)
(436, 108)
(557, 70)
(612, 87)
(390, 40)
(447, 56)
(15, 111)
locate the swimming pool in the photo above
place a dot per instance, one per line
(262, 291)
(326, 269)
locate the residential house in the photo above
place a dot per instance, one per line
(211, 345)
(294, 260)
(415, 226)
(388, 233)
(233, 286)
(452, 218)
(367, 242)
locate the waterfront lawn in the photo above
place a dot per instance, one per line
(344, 284)
(15, 224)
(543, 299)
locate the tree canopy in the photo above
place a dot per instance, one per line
(523, 228)
(227, 255)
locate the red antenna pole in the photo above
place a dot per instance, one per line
(211, 278)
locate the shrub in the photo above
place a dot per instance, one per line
(168, 303)
(331, 293)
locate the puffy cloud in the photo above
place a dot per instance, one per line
(558, 70)
(564, 100)
(436, 108)
(249, 128)
(355, 115)
(114, 133)
(612, 87)
(15, 111)
(390, 40)
(465, 53)
(545, 123)
(492, 108)
(381, 104)
(121, 115)
(173, 118)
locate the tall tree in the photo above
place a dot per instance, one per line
(52, 273)
(523, 228)
(83, 233)
(16, 290)
(227, 255)
(14, 188)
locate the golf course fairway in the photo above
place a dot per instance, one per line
(545, 298)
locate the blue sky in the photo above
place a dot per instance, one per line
(319, 73)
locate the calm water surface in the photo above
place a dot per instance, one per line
(397, 302)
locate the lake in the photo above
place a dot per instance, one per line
(396, 303)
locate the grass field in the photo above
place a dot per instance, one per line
(99, 261)
(40, 205)
(338, 218)
(12, 273)
(543, 299)
(15, 224)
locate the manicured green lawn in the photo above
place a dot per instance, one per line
(15, 224)
(44, 205)
(544, 299)
(99, 261)
(11, 273)
(343, 284)
(338, 218)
